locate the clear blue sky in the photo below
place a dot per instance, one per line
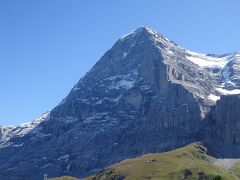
(47, 45)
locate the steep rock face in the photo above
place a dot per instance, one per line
(146, 94)
(225, 127)
(127, 105)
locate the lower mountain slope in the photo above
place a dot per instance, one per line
(189, 162)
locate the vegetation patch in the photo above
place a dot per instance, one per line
(189, 163)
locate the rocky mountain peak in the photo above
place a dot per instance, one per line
(144, 34)
(141, 31)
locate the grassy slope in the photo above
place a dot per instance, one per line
(191, 162)
(64, 178)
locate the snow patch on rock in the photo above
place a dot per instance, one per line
(226, 92)
(213, 97)
(204, 60)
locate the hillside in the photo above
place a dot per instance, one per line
(190, 162)
(64, 178)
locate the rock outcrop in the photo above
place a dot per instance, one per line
(5, 133)
(224, 137)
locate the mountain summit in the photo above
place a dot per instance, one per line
(145, 95)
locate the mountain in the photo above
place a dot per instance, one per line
(10, 135)
(145, 95)
(190, 162)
